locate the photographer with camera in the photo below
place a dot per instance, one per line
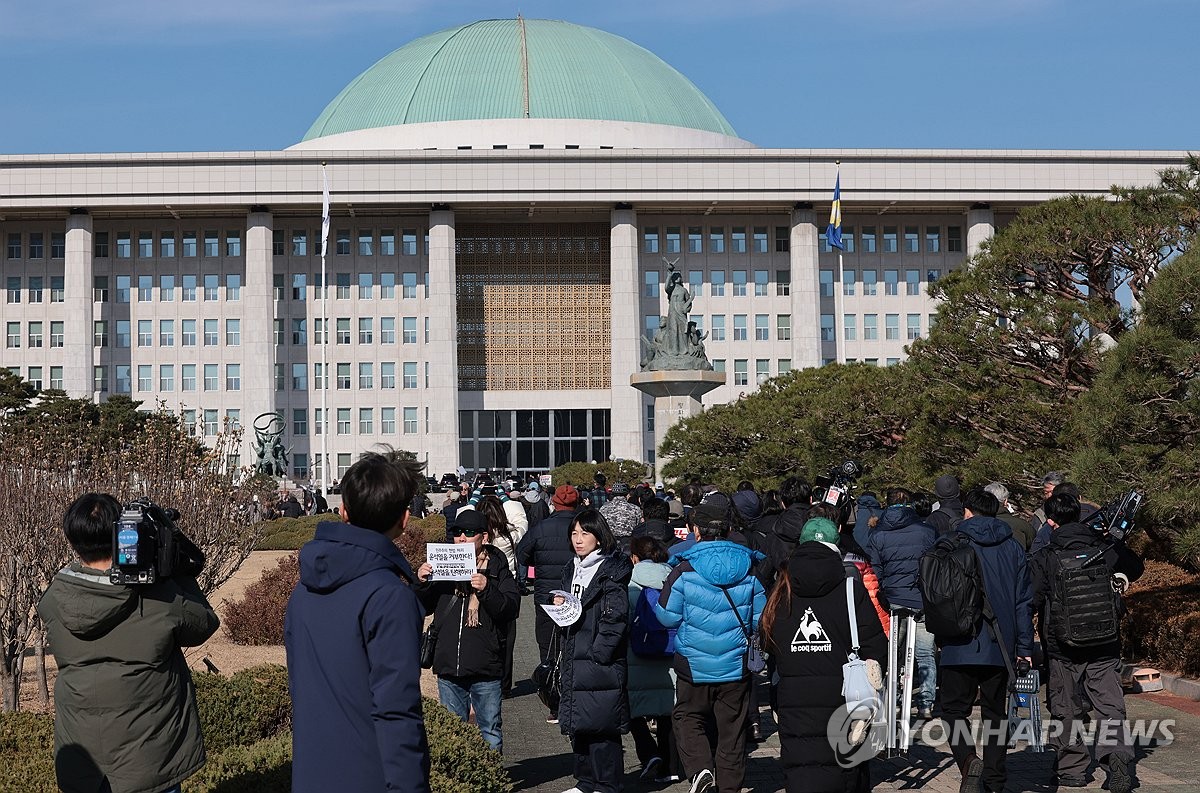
(125, 707)
(1077, 583)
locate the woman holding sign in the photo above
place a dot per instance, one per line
(471, 611)
(594, 710)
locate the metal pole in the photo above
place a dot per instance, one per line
(324, 342)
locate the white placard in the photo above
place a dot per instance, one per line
(451, 561)
(566, 614)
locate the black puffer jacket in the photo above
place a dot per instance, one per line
(547, 548)
(594, 667)
(810, 639)
(776, 536)
(462, 650)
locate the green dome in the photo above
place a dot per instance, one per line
(514, 68)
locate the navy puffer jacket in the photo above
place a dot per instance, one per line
(594, 668)
(894, 547)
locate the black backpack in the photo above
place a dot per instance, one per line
(1085, 610)
(951, 588)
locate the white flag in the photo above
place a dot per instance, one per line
(324, 210)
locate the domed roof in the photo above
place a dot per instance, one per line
(519, 68)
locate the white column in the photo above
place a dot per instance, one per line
(77, 283)
(806, 297)
(627, 436)
(258, 325)
(981, 225)
(441, 398)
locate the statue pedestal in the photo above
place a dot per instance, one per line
(677, 396)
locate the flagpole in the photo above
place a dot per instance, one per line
(839, 328)
(324, 334)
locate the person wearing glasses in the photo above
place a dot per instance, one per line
(470, 623)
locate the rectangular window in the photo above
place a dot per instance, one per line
(848, 277)
(343, 377)
(233, 332)
(912, 238)
(35, 335)
(299, 243)
(123, 384)
(868, 239)
(716, 239)
(145, 288)
(99, 247)
(187, 377)
(211, 333)
(124, 245)
(364, 330)
(783, 283)
(673, 239)
(954, 239)
(739, 283)
(914, 326)
(651, 284)
(58, 291)
(409, 331)
(14, 245)
(212, 379)
(408, 242)
(188, 332)
(57, 335)
(319, 377)
(696, 282)
(145, 374)
(933, 239)
(166, 333)
(650, 239)
(166, 288)
(233, 286)
(741, 372)
(869, 282)
(189, 288)
(826, 283)
(762, 370)
(189, 244)
(889, 239)
(233, 243)
(387, 375)
(387, 286)
(410, 375)
(58, 245)
(762, 330)
(366, 241)
(850, 326)
(343, 286)
(365, 286)
(366, 375)
(299, 377)
(409, 282)
(145, 245)
(760, 239)
(123, 334)
(13, 289)
(233, 377)
(212, 244)
(387, 330)
(718, 327)
(891, 327)
(410, 421)
(280, 377)
(366, 421)
(739, 327)
(761, 282)
(145, 333)
(299, 421)
(100, 379)
(124, 283)
(299, 286)
(782, 239)
(343, 421)
(387, 242)
(35, 288)
(210, 422)
(783, 327)
(785, 365)
(891, 282)
(37, 248)
(343, 330)
(717, 280)
(827, 327)
(870, 327)
(719, 365)
(848, 238)
(738, 239)
(56, 377)
(166, 245)
(695, 239)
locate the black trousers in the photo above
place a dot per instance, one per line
(543, 629)
(646, 746)
(959, 686)
(727, 705)
(599, 763)
(510, 642)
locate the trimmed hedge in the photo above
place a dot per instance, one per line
(288, 534)
(1163, 619)
(246, 720)
(258, 617)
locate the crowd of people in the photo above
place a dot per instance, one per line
(686, 605)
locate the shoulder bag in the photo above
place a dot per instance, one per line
(756, 661)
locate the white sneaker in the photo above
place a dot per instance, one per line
(704, 782)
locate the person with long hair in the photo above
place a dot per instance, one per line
(505, 537)
(806, 627)
(594, 709)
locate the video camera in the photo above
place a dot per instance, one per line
(834, 487)
(1115, 520)
(149, 547)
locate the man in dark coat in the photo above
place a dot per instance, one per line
(353, 637)
(471, 620)
(977, 666)
(1095, 669)
(949, 513)
(537, 507)
(776, 536)
(547, 548)
(655, 514)
(895, 547)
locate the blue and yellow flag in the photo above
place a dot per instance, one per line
(834, 231)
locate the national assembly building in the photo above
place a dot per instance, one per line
(507, 198)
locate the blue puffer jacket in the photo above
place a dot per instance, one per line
(894, 547)
(710, 645)
(1006, 579)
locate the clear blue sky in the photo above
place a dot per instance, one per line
(212, 75)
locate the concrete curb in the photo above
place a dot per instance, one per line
(1181, 686)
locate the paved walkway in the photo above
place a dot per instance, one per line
(539, 756)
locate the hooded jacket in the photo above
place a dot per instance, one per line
(124, 703)
(593, 670)
(710, 644)
(547, 548)
(1006, 579)
(461, 649)
(895, 547)
(866, 506)
(651, 680)
(776, 536)
(749, 506)
(353, 637)
(810, 640)
(947, 517)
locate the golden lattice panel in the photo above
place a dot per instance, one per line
(533, 306)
